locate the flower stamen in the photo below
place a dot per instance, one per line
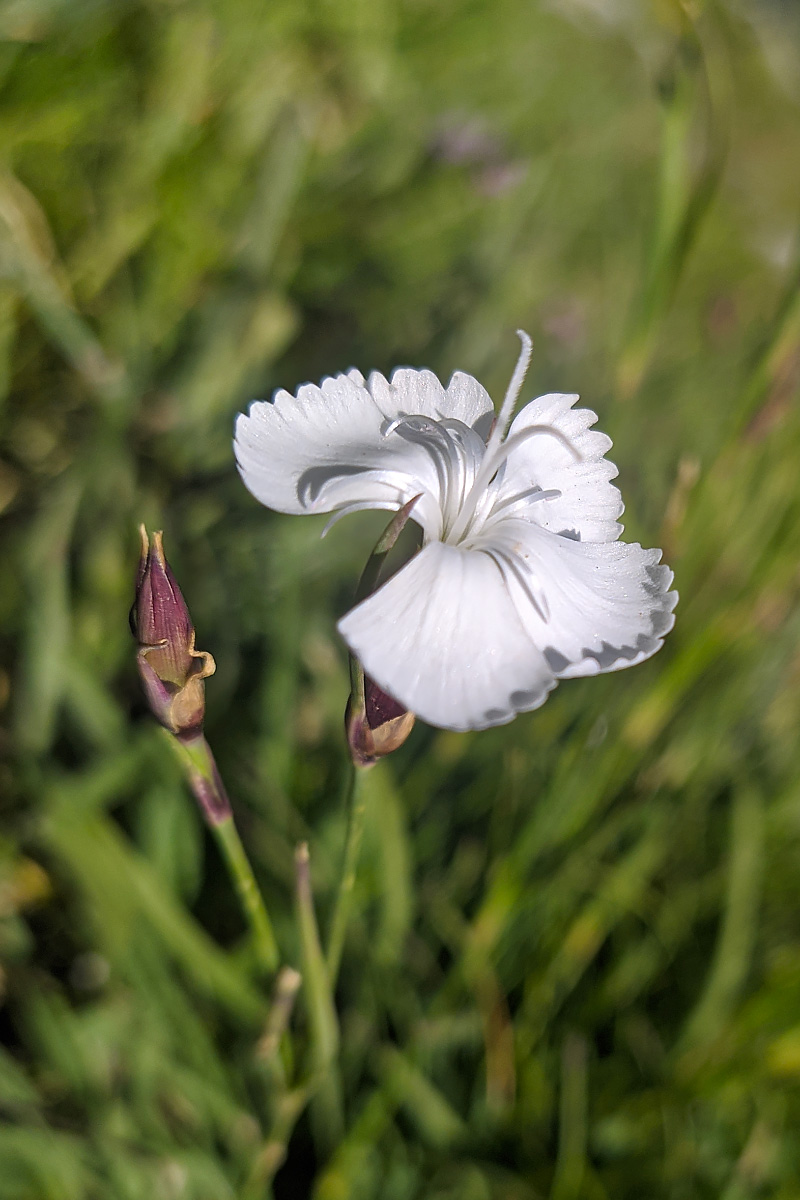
(531, 495)
(359, 506)
(492, 463)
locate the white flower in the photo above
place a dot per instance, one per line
(521, 580)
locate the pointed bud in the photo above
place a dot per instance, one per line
(172, 671)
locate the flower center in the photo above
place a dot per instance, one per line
(456, 452)
(470, 472)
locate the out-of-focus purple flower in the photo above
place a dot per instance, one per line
(466, 140)
(461, 139)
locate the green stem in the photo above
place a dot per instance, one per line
(327, 1112)
(287, 985)
(322, 1011)
(204, 779)
(241, 873)
(570, 1169)
(273, 1152)
(357, 809)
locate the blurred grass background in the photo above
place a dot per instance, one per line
(575, 967)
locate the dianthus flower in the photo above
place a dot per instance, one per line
(521, 579)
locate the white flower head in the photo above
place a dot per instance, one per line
(521, 579)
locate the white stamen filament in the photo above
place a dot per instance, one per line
(524, 434)
(392, 426)
(359, 506)
(531, 495)
(492, 463)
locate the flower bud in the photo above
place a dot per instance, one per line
(376, 724)
(172, 671)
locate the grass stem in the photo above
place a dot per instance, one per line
(357, 809)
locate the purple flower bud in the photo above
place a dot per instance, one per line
(172, 671)
(376, 724)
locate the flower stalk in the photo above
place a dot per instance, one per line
(376, 725)
(240, 871)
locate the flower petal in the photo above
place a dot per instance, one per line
(590, 607)
(325, 448)
(443, 637)
(419, 393)
(589, 504)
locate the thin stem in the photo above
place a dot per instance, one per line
(357, 808)
(322, 1012)
(370, 576)
(321, 1084)
(571, 1161)
(206, 783)
(241, 873)
(327, 1117)
(287, 985)
(272, 1154)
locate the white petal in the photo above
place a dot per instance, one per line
(468, 401)
(442, 637)
(589, 504)
(419, 393)
(324, 448)
(590, 607)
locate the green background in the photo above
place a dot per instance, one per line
(575, 965)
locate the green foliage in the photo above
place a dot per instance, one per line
(574, 965)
